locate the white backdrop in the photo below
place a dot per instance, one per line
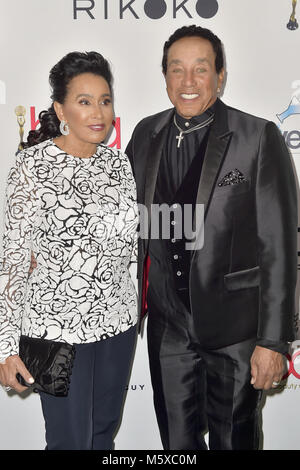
(263, 79)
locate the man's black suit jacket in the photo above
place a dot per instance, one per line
(242, 282)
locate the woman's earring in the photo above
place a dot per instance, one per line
(64, 128)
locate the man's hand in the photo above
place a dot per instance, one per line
(266, 367)
(9, 370)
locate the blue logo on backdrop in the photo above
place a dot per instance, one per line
(153, 9)
(293, 108)
(291, 136)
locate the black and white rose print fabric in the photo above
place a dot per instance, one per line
(79, 217)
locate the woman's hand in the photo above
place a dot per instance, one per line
(33, 264)
(13, 365)
(8, 371)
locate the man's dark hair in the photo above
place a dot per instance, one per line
(192, 31)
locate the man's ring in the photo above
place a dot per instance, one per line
(7, 389)
(275, 384)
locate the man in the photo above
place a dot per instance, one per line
(221, 315)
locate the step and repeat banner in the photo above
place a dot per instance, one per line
(261, 40)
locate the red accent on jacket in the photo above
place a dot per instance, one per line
(145, 285)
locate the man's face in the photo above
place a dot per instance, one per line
(191, 78)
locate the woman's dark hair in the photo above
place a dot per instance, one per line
(192, 31)
(71, 65)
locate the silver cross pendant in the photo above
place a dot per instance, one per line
(179, 138)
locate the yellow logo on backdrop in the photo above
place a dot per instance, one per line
(20, 112)
(293, 24)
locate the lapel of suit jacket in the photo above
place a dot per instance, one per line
(154, 154)
(217, 146)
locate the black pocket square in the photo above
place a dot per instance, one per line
(233, 177)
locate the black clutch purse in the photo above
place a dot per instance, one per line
(49, 362)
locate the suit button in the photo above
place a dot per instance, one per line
(173, 240)
(179, 273)
(175, 256)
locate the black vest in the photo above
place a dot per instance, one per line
(186, 194)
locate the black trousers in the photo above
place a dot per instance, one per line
(88, 417)
(196, 390)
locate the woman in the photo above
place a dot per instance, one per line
(71, 201)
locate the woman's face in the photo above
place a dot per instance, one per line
(87, 109)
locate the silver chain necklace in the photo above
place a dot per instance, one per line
(180, 137)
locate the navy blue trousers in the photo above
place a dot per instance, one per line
(88, 417)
